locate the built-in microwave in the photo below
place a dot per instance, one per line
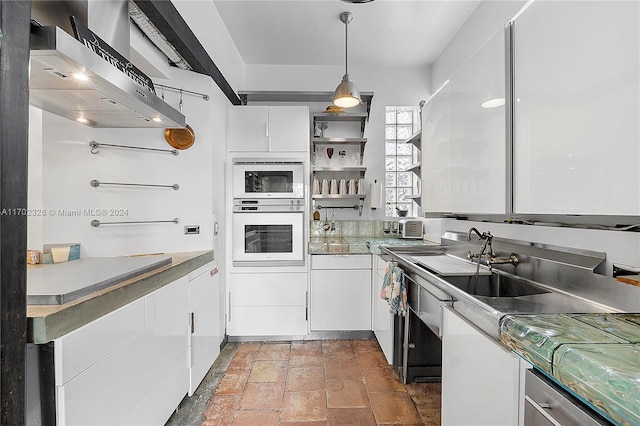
(267, 179)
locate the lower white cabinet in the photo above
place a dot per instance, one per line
(128, 367)
(480, 378)
(267, 304)
(382, 320)
(206, 320)
(340, 296)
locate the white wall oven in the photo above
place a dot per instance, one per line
(256, 179)
(268, 232)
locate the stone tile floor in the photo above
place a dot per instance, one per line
(323, 382)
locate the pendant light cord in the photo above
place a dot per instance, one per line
(346, 46)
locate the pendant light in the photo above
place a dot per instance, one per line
(346, 94)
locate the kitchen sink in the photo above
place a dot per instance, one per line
(495, 285)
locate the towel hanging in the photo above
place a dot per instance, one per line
(394, 289)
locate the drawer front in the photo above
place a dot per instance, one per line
(267, 321)
(427, 302)
(78, 350)
(547, 403)
(341, 261)
(109, 389)
(284, 289)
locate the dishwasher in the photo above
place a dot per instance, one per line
(418, 345)
(547, 404)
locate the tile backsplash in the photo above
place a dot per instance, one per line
(347, 228)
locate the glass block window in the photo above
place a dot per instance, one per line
(400, 184)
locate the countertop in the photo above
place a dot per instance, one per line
(48, 322)
(594, 356)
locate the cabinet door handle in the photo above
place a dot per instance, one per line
(306, 306)
(229, 316)
(193, 322)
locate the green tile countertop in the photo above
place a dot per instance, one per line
(594, 356)
(48, 322)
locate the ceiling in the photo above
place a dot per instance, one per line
(408, 33)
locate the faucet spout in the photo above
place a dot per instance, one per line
(484, 236)
(472, 230)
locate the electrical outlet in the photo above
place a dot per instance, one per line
(191, 229)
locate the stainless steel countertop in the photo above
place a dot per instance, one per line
(48, 322)
(592, 294)
(59, 283)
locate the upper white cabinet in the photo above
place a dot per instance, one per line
(463, 137)
(268, 128)
(577, 103)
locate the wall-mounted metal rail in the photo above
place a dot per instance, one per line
(94, 145)
(96, 183)
(177, 89)
(358, 207)
(95, 223)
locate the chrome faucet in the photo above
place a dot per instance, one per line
(486, 251)
(489, 257)
(482, 236)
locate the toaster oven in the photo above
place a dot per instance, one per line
(410, 228)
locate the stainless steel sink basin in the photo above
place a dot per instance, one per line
(495, 285)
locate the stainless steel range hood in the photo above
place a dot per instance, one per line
(108, 98)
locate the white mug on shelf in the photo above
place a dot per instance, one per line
(325, 187)
(343, 186)
(334, 187)
(352, 187)
(361, 189)
(316, 186)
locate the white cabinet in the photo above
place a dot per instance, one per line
(268, 128)
(267, 304)
(128, 367)
(340, 296)
(463, 140)
(480, 379)
(206, 320)
(382, 321)
(576, 131)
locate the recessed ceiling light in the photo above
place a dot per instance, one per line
(157, 119)
(356, 1)
(82, 120)
(80, 76)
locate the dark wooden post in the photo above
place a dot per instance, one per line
(15, 16)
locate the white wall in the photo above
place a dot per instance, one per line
(390, 87)
(68, 166)
(621, 247)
